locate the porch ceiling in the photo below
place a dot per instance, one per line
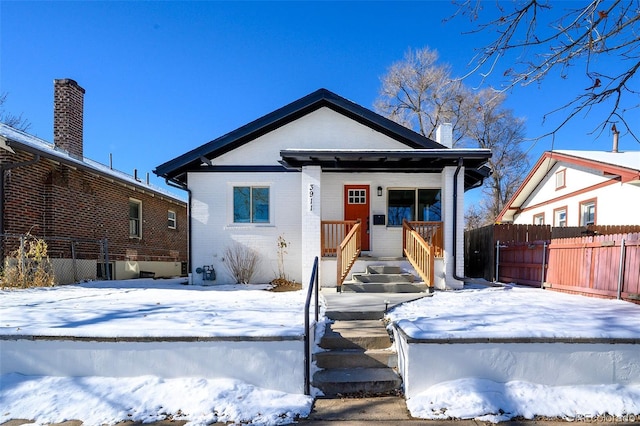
(404, 161)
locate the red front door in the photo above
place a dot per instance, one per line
(356, 206)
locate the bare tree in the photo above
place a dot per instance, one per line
(421, 94)
(599, 39)
(15, 121)
(494, 127)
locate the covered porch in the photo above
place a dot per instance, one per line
(422, 243)
(426, 236)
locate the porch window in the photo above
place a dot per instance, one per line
(413, 204)
(250, 204)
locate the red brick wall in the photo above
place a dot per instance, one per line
(53, 200)
(68, 116)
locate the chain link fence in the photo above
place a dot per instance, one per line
(70, 260)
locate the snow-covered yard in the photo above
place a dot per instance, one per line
(147, 308)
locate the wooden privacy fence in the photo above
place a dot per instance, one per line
(601, 265)
(523, 263)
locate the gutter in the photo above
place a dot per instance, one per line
(176, 184)
(455, 222)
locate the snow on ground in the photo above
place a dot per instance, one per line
(152, 308)
(167, 308)
(516, 312)
(148, 308)
(508, 312)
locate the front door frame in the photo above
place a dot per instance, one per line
(358, 206)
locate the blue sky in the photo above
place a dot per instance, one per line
(162, 78)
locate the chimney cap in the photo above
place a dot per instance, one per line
(68, 81)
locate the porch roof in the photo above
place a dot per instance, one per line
(396, 160)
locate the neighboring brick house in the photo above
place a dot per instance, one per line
(52, 191)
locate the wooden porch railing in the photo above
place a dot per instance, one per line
(348, 252)
(419, 252)
(341, 239)
(333, 234)
(431, 233)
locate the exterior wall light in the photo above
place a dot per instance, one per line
(379, 191)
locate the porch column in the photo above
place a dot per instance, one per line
(311, 219)
(448, 201)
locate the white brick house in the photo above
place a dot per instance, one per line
(578, 188)
(306, 168)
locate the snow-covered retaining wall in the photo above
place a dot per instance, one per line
(273, 363)
(423, 363)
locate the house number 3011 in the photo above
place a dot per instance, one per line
(310, 197)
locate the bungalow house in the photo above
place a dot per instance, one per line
(331, 179)
(578, 188)
(51, 191)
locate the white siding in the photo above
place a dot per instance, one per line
(321, 129)
(213, 229)
(616, 203)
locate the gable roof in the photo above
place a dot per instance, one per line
(624, 166)
(321, 98)
(12, 139)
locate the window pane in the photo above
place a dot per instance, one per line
(260, 205)
(134, 219)
(241, 204)
(588, 214)
(429, 206)
(401, 206)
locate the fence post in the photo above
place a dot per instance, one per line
(621, 269)
(106, 259)
(497, 277)
(22, 263)
(544, 259)
(73, 261)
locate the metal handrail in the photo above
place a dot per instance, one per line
(313, 284)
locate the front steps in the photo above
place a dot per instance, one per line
(359, 358)
(384, 279)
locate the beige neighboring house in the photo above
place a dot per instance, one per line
(578, 188)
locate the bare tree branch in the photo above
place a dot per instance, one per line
(15, 121)
(602, 38)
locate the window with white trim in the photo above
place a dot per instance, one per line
(588, 213)
(357, 196)
(560, 217)
(538, 219)
(561, 179)
(413, 204)
(251, 204)
(171, 219)
(135, 218)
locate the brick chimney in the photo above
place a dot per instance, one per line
(68, 110)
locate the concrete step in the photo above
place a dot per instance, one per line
(383, 269)
(357, 358)
(384, 287)
(354, 315)
(364, 335)
(361, 381)
(383, 278)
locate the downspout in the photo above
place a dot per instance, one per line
(189, 239)
(455, 222)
